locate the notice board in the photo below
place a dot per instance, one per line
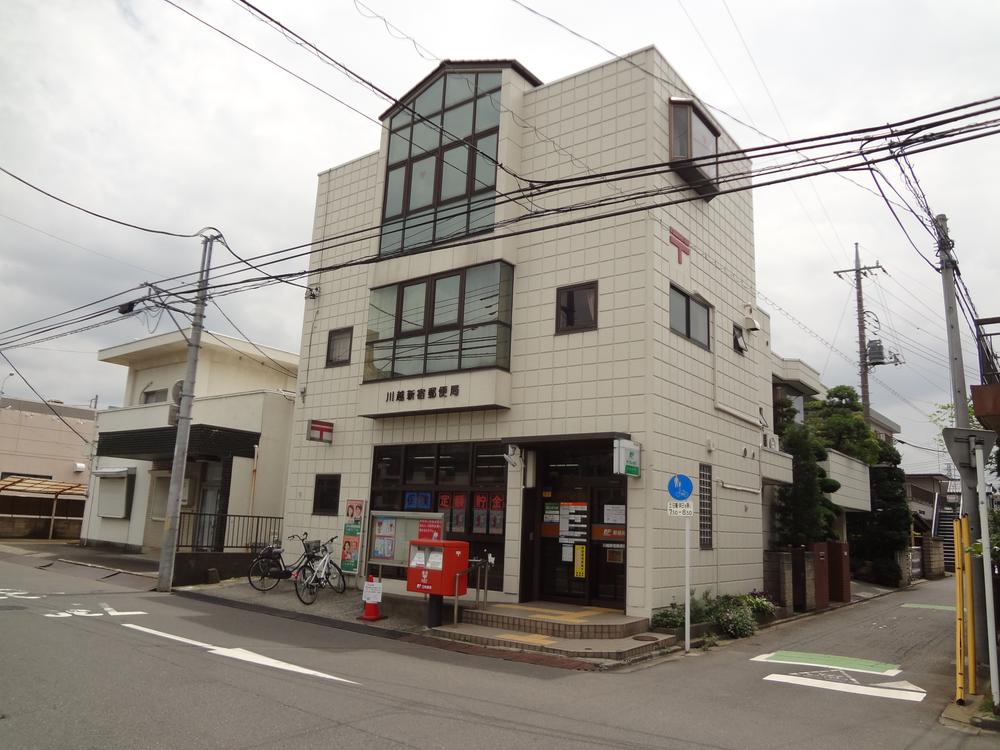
(391, 531)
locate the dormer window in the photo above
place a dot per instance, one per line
(694, 147)
(440, 179)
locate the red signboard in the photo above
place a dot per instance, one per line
(429, 528)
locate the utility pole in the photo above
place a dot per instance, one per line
(960, 401)
(863, 365)
(168, 550)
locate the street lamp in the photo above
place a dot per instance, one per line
(7, 377)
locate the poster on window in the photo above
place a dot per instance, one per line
(417, 501)
(480, 513)
(458, 522)
(497, 507)
(444, 505)
(429, 528)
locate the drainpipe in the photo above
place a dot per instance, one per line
(253, 478)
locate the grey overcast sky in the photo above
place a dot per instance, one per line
(135, 110)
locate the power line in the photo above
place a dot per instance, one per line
(42, 398)
(95, 213)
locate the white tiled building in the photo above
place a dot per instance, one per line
(480, 331)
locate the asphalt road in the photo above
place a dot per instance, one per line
(90, 664)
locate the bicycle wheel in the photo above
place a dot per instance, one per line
(260, 576)
(335, 578)
(305, 586)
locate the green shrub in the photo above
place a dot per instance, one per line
(886, 572)
(734, 618)
(670, 617)
(761, 606)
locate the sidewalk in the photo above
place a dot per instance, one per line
(70, 551)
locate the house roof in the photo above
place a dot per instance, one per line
(463, 65)
(175, 342)
(47, 407)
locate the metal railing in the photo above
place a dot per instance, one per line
(482, 571)
(989, 362)
(222, 532)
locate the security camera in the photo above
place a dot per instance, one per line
(511, 460)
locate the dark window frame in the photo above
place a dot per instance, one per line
(428, 327)
(317, 510)
(701, 174)
(158, 396)
(740, 344)
(566, 329)
(473, 197)
(349, 332)
(705, 502)
(690, 299)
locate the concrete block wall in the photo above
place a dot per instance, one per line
(933, 550)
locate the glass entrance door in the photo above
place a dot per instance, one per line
(564, 545)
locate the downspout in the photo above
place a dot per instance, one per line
(253, 478)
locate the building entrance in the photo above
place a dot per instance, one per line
(575, 520)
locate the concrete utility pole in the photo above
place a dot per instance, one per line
(960, 401)
(863, 367)
(168, 550)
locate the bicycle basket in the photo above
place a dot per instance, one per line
(311, 546)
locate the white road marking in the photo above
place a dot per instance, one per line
(877, 692)
(242, 655)
(900, 685)
(112, 612)
(18, 594)
(772, 659)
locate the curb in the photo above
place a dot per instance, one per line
(107, 567)
(328, 622)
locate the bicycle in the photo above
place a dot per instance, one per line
(268, 568)
(322, 574)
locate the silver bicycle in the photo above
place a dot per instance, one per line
(319, 573)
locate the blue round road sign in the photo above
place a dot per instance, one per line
(680, 487)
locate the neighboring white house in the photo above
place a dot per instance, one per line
(238, 452)
(485, 365)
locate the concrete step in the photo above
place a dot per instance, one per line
(629, 648)
(557, 621)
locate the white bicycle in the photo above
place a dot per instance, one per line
(318, 574)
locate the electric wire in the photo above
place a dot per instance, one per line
(42, 398)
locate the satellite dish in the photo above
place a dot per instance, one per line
(175, 391)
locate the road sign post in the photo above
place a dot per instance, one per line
(680, 488)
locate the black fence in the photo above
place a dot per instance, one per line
(221, 532)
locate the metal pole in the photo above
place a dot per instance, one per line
(991, 623)
(960, 605)
(960, 401)
(687, 583)
(970, 612)
(168, 549)
(862, 344)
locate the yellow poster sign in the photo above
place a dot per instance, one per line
(579, 561)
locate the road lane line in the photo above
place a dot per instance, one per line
(917, 605)
(242, 654)
(840, 687)
(847, 663)
(160, 633)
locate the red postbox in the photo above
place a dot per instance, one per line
(434, 565)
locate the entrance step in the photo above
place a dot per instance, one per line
(564, 621)
(625, 649)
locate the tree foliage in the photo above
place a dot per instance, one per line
(885, 530)
(839, 423)
(803, 513)
(784, 415)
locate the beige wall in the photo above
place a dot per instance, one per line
(34, 441)
(684, 404)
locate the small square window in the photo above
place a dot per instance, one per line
(338, 347)
(739, 340)
(326, 495)
(576, 308)
(689, 317)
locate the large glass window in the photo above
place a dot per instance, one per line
(466, 482)
(441, 163)
(458, 320)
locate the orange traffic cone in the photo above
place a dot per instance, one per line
(373, 610)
